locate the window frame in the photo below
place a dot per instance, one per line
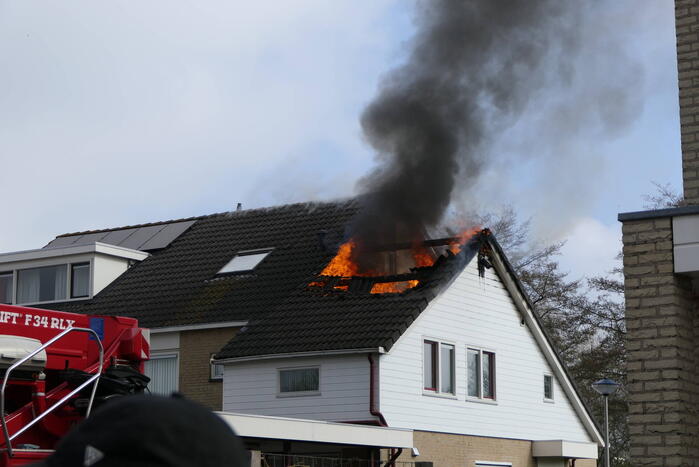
(15, 272)
(437, 367)
(212, 372)
(258, 251)
(89, 279)
(298, 393)
(493, 372)
(553, 393)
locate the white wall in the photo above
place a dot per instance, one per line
(106, 270)
(252, 387)
(479, 312)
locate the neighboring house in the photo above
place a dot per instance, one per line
(460, 359)
(661, 267)
(458, 364)
(193, 282)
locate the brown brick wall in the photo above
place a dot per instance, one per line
(195, 349)
(687, 30)
(662, 360)
(447, 450)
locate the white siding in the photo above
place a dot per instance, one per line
(479, 312)
(252, 387)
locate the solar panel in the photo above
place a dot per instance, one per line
(166, 236)
(141, 236)
(151, 237)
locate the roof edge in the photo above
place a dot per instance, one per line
(314, 353)
(655, 213)
(205, 216)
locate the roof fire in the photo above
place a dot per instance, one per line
(397, 268)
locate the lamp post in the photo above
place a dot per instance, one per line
(606, 387)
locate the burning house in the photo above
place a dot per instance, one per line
(425, 352)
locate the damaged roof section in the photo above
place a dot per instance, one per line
(342, 314)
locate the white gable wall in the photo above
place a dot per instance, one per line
(252, 388)
(477, 312)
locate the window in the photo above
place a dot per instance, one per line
(430, 365)
(216, 369)
(245, 261)
(548, 387)
(80, 280)
(438, 367)
(480, 373)
(6, 288)
(163, 373)
(42, 284)
(299, 380)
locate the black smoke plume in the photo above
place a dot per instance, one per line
(473, 65)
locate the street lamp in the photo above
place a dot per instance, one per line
(606, 387)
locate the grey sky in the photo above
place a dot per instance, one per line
(116, 113)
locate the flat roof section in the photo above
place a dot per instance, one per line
(653, 213)
(294, 429)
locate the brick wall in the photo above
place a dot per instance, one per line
(662, 360)
(448, 450)
(196, 348)
(687, 30)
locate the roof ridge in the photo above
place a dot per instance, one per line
(206, 216)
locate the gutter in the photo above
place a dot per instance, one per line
(315, 353)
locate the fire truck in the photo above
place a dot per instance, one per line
(56, 368)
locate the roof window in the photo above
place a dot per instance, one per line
(245, 261)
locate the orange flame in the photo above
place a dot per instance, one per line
(462, 239)
(342, 264)
(393, 287)
(422, 257)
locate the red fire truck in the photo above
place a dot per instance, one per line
(56, 368)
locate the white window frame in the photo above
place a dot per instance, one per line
(438, 368)
(494, 377)
(168, 354)
(298, 393)
(492, 464)
(225, 270)
(553, 393)
(212, 369)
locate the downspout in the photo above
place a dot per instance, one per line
(372, 388)
(375, 412)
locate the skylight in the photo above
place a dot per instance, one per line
(245, 261)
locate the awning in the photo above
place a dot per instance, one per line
(294, 429)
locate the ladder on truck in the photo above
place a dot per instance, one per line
(22, 454)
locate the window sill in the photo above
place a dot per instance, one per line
(439, 395)
(478, 400)
(299, 394)
(62, 300)
(549, 401)
(216, 380)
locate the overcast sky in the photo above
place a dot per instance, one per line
(116, 113)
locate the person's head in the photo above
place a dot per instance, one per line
(150, 431)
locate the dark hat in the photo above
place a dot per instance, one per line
(151, 431)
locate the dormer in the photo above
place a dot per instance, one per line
(62, 273)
